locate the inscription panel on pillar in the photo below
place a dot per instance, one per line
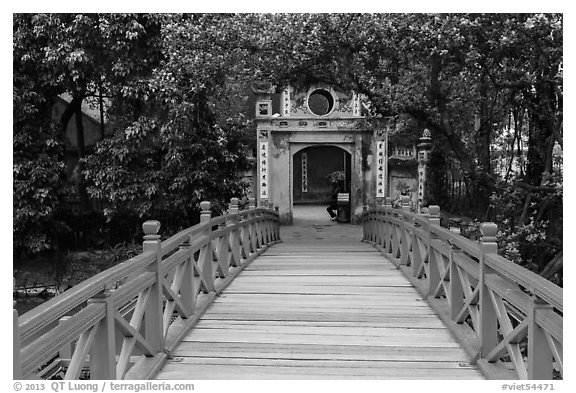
(381, 152)
(286, 101)
(263, 164)
(356, 105)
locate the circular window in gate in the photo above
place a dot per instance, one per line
(320, 102)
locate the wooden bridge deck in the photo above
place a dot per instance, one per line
(320, 305)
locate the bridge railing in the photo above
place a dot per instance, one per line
(508, 318)
(125, 321)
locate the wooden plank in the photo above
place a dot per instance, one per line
(320, 280)
(309, 290)
(321, 363)
(313, 316)
(297, 298)
(429, 321)
(358, 310)
(300, 351)
(360, 269)
(261, 337)
(307, 272)
(188, 371)
(388, 332)
(353, 313)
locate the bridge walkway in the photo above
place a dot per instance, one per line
(320, 305)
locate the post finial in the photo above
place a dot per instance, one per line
(489, 231)
(488, 239)
(151, 227)
(434, 214)
(233, 207)
(205, 214)
(434, 210)
(205, 206)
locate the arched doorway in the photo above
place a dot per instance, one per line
(313, 169)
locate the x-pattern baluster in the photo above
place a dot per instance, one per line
(511, 337)
(221, 256)
(204, 268)
(234, 249)
(131, 332)
(419, 257)
(443, 266)
(557, 351)
(471, 298)
(395, 242)
(405, 244)
(389, 237)
(80, 352)
(245, 243)
(173, 302)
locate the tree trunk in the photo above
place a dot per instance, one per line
(82, 193)
(538, 145)
(484, 179)
(74, 108)
(484, 130)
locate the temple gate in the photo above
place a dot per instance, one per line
(310, 134)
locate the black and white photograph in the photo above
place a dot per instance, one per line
(270, 195)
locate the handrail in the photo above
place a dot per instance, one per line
(148, 301)
(478, 293)
(42, 316)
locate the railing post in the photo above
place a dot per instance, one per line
(65, 351)
(402, 241)
(187, 290)
(365, 224)
(252, 227)
(386, 227)
(488, 330)
(103, 350)
(433, 272)
(205, 258)
(540, 358)
(153, 318)
(16, 363)
(434, 215)
(235, 233)
(277, 224)
(256, 234)
(417, 257)
(267, 238)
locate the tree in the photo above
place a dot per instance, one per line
(82, 55)
(184, 146)
(38, 171)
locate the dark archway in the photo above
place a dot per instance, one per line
(312, 167)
